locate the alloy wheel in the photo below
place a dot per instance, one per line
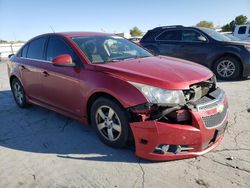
(226, 68)
(18, 93)
(108, 123)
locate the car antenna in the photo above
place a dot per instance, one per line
(52, 29)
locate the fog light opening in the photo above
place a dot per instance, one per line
(165, 148)
(175, 149)
(171, 149)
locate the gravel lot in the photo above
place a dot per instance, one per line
(40, 148)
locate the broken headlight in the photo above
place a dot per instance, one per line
(157, 95)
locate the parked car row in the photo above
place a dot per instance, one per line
(228, 59)
(169, 108)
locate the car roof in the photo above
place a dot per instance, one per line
(71, 34)
(74, 34)
(78, 34)
(161, 28)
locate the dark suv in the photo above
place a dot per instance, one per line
(228, 59)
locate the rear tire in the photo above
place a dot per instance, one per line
(110, 122)
(227, 68)
(19, 93)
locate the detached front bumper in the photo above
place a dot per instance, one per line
(209, 120)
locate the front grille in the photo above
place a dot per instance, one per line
(213, 101)
(216, 119)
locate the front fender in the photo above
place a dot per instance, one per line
(98, 82)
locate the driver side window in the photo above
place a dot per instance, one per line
(56, 47)
(190, 36)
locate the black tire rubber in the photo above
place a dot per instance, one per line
(235, 75)
(24, 104)
(121, 113)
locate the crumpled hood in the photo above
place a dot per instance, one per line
(159, 71)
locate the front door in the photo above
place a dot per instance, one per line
(61, 84)
(193, 49)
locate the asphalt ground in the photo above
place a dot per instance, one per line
(41, 148)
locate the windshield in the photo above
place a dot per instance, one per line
(105, 49)
(215, 35)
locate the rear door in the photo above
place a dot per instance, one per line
(32, 57)
(168, 42)
(61, 84)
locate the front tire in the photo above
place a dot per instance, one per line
(227, 68)
(19, 93)
(110, 122)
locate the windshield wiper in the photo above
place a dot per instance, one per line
(136, 57)
(143, 56)
(107, 61)
(117, 60)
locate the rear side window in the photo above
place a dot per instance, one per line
(190, 36)
(24, 51)
(36, 48)
(57, 46)
(172, 35)
(242, 30)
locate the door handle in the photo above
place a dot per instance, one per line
(45, 73)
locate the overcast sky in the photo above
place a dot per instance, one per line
(24, 19)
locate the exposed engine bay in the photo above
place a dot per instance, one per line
(198, 93)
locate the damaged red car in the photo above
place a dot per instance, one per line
(170, 108)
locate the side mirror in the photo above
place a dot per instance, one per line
(9, 56)
(63, 60)
(202, 39)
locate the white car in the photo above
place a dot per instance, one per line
(242, 32)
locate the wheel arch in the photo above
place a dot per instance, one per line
(94, 97)
(228, 55)
(12, 77)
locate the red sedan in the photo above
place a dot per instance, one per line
(170, 108)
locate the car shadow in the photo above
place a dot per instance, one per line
(39, 130)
